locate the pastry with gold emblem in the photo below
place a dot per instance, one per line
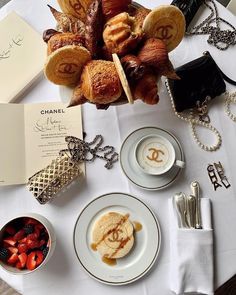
(167, 23)
(100, 82)
(113, 235)
(64, 65)
(122, 34)
(77, 8)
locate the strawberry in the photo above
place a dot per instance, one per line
(10, 241)
(40, 257)
(12, 249)
(31, 244)
(30, 221)
(42, 242)
(22, 241)
(32, 237)
(31, 262)
(37, 230)
(10, 230)
(19, 235)
(22, 247)
(13, 258)
(22, 259)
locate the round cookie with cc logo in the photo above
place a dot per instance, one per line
(167, 23)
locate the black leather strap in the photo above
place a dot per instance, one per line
(226, 78)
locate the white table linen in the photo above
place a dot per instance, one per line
(191, 253)
(63, 273)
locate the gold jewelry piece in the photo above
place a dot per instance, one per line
(220, 171)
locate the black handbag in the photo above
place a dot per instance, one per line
(188, 7)
(201, 80)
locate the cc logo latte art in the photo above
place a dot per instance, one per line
(155, 153)
(67, 68)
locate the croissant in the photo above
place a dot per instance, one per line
(146, 89)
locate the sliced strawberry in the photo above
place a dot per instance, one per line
(22, 241)
(10, 241)
(22, 247)
(37, 230)
(13, 258)
(10, 230)
(19, 235)
(39, 257)
(18, 265)
(31, 262)
(22, 259)
(42, 242)
(40, 226)
(12, 249)
(28, 220)
(32, 237)
(32, 244)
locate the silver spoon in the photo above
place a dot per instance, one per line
(191, 211)
(181, 207)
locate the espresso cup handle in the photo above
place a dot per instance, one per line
(179, 164)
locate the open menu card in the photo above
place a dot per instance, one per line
(32, 136)
(22, 56)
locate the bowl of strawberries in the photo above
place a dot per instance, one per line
(26, 243)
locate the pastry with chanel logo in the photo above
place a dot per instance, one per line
(167, 23)
(64, 66)
(77, 8)
(67, 22)
(122, 34)
(113, 235)
(63, 39)
(100, 82)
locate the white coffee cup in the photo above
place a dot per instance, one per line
(155, 155)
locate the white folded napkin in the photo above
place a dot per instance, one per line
(191, 253)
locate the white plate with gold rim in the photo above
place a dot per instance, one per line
(141, 257)
(129, 165)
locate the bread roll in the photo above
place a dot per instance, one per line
(100, 82)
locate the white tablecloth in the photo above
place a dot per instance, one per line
(63, 273)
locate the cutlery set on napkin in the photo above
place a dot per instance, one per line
(191, 243)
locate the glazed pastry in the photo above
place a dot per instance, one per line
(67, 22)
(133, 67)
(77, 97)
(64, 66)
(138, 12)
(59, 40)
(123, 79)
(94, 28)
(146, 89)
(154, 53)
(78, 8)
(167, 23)
(47, 34)
(100, 82)
(122, 34)
(111, 8)
(113, 235)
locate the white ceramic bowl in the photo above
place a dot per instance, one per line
(52, 243)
